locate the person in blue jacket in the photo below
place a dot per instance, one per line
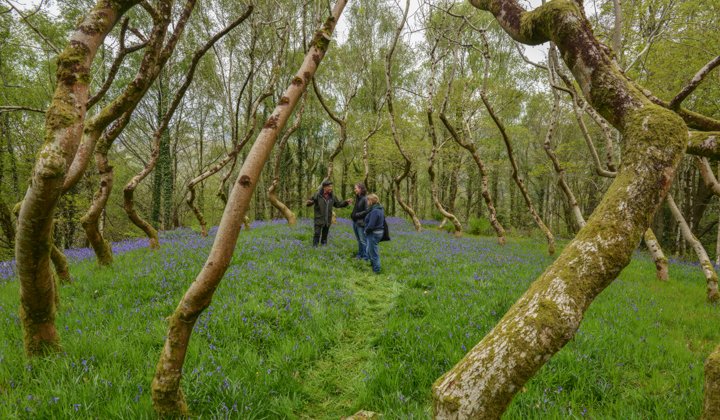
(374, 223)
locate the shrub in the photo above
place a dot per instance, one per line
(479, 226)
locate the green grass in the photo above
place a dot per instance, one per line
(297, 332)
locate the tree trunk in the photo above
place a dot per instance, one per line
(389, 98)
(707, 267)
(167, 396)
(547, 316)
(661, 262)
(63, 128)
(711, 409)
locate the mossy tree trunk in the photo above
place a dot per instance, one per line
(547, 316)
(166, 393)
(64, 122)
(711, 407)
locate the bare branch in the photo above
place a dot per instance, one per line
(34, 29)
(694, 83)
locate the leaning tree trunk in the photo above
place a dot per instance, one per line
(393, 126)
(166, 393)
(63, 129)
(707, 266)
(547, 316)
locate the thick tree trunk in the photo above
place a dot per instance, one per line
(711, 408)
(547, 316)
(63, 128)
(708, 270)
(167, 396)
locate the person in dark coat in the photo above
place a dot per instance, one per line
(358, 214)
(374, 229)
(324, 201)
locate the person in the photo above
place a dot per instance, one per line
(374, 229)
(358, 214)
(324, 200)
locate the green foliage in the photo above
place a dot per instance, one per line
(479, 226)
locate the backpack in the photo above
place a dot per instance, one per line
(386, 232)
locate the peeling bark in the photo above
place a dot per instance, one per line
(64, 122)
(708, 270)
(166, 393)
(547, 316)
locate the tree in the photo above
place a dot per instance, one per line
(64, 124)
(546, 317)
(167, 396)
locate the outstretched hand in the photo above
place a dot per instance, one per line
(349, 201)
(309, 202)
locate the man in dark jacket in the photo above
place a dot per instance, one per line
(324, 201)
(358, 217)
(374, 229)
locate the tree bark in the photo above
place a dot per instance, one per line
(711, 407)
(167, 396)
(661, 262)
(64, 123)
(547, 316)
(708, 270)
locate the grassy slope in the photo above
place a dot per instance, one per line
(311, 333)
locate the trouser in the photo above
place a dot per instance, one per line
(373, 238)
(361, 240)
(321, 234)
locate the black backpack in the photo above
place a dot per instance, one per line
(386, 232)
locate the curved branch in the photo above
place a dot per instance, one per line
(13, 108)
(694, 83)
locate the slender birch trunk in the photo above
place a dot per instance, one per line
(661, 262)
(166, 393)
(707, 267)
(547, 316)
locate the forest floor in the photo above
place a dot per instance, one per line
(302, 332)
